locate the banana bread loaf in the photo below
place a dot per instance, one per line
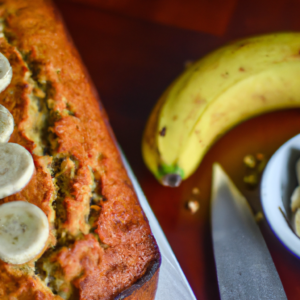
(100, 244)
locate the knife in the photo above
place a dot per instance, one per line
(245, 268)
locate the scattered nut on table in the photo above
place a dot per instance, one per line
(259, 217)
(251, 179)
(193, 206)
(255, 165)
(250, 161)
(195, 191)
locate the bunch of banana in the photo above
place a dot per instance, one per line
(234, 83)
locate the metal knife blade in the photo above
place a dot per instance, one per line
(245, 268)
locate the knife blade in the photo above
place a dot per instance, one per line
(244, 266)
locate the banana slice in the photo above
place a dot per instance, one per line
(5, 72)
(6, 124)
(24, 230)
(16, 168)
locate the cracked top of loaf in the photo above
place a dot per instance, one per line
(100, 242)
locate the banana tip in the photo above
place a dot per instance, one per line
(171, 180)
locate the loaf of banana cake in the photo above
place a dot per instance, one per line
(100, 245)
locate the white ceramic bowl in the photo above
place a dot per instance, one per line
(278, 183)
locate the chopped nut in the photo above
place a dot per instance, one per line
(193, 206)
(196, 191)
(260, 156)
(255, 165)
(250, 161)
(262, 162)
(251, 179)
(259, 217)
(261, 166)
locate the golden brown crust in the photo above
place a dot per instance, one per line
(100, 242)
(145, 287)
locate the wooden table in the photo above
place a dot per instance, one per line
(133, 50)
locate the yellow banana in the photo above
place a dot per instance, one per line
(234, 83)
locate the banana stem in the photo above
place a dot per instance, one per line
(171, 180)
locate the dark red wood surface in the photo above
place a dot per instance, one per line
(133, 50)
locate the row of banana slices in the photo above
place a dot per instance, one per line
(24, 228)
